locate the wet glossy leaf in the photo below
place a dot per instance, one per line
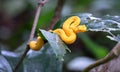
(114, 38)
(13, 58)
(104, 24)
(114, 18)
(57, 45)
(60, 22)
(107, 24)
(43, 60)
(4, 65)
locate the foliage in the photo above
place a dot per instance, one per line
(43, 60)
(4, 65)
(56, 48)
(56, 43)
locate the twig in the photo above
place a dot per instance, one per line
(110, 56)
(107, 58)
(57, 13)
(40, 4)
(22, 58)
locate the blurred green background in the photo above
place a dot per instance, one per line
(16, 19)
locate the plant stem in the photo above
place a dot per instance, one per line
(107, 58)
(35, 22)
(22, 58)
(57, 13)
(40, 4)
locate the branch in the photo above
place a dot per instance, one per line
(40, 5)
(57, 13)
(110, 56)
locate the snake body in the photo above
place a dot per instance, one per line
(67, 33)
(36, 45)
(69, 29)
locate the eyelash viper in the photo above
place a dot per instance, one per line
(69, 29)
(67, 33)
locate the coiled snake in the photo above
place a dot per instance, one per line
(67, 33)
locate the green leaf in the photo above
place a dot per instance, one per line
(114, 38)
(56, 43)
(43, 60)
(107, 24)
(13, 58)
(42, 36)
(4, 65)
(60, 22)
(114, 18)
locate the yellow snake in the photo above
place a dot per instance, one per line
(69, 29)
(67, 33)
